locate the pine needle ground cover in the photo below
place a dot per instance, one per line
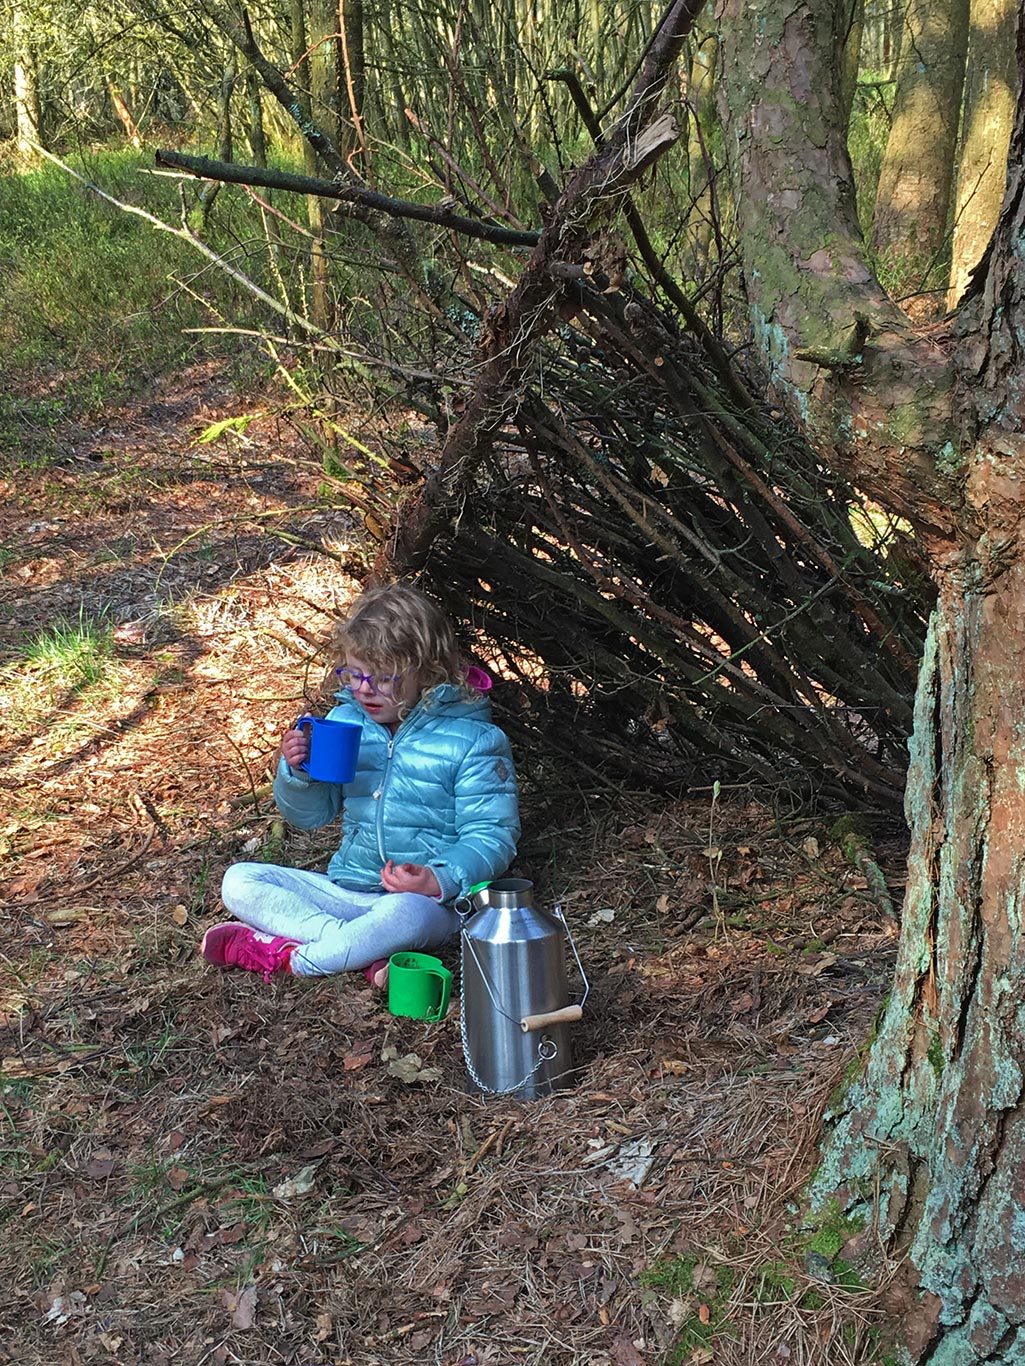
(196, 1167)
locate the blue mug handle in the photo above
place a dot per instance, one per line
(305, 720)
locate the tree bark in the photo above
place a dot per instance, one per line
(312, 73)
(913, 197)
(323, 60)
(257, 135)
(854, 24)
(350, 26)
(929, 1144)
(841, 356)
(985, 131)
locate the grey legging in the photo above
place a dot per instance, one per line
(337, 929)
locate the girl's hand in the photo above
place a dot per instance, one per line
(410, 877)
(295, 747)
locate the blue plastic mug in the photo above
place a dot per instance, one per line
(334, 746)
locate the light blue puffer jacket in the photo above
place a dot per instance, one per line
(441, 791)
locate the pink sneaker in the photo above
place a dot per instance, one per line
(376, 973)
(233, 945)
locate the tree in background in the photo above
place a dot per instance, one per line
(27, 112)
(986, 121)
(909, 227)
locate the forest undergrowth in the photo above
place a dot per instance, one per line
(198, 1167)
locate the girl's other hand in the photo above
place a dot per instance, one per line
(410, 877)
(295, 747)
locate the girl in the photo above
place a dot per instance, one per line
(431, 812)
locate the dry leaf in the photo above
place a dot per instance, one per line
(704, 1277)
(704, 1313)
(180, 915)
(824, 961)
(811, 847)
(358, 1057)
(605, 915)
(624, 1353)
(411, 1068)
(634, 1162)
(300, 1184)
(680, 1311)
(674, 1067)
(64, 915)
(241, 1306)
(627, 1227)
(101, 1165)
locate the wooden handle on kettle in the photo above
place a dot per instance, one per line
(551, 1017)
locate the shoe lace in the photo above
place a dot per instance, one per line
(262, 958)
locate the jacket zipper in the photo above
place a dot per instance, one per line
(379, 823)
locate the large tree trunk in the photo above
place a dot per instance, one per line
(985, 130)
(930, 1148)
(913, 198)
(937, 1124)
(844, 359)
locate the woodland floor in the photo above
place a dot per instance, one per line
(196, 1167)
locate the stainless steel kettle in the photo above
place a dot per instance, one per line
(515, 1009)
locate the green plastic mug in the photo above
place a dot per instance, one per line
(418, 986)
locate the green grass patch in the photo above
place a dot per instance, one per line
(63, 664)
(94, 301)
(73, 652)
(700, 1292)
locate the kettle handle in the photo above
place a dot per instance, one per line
(551, 1017)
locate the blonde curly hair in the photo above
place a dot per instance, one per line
(396, 629)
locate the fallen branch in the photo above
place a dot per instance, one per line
(232, 173)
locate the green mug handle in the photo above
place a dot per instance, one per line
(446, 988)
